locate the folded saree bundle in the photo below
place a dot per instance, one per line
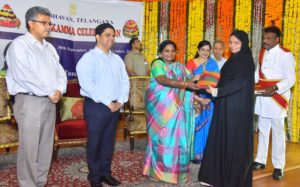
(279, 99)
(208, 78)
(263, 84)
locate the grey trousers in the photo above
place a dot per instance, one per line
(36, 119)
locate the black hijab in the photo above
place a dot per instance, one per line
(241, 64)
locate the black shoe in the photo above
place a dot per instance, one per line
(257, 166)
(94, 184)
(110, 180)
(278, 174)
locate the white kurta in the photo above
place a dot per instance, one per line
(277, 64)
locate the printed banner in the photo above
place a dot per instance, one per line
(74, 22)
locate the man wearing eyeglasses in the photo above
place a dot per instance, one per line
(37, 80)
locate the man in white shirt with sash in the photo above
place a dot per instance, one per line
(275, 76)
(38, 81)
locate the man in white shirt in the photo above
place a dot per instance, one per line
(276, 73)
(217, 52)
(37, 80)
(105, 85)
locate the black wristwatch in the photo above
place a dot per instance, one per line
(275, 87)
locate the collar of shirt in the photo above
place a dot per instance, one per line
(213, 57)
(136, 52)
(33, 40)
(101, 52)
(274, 49)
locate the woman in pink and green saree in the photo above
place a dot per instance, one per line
(170, 118)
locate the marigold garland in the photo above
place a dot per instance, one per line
(219, 22)
(291, 40)
(273, 13)
(150, 31)
(195, 26)
(225, 22)
(177, 31)
(243, 15)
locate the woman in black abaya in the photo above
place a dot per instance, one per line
(229, 151)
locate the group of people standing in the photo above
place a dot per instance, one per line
(177, 135)
(37, 80)
(212, 126)
(221, 138)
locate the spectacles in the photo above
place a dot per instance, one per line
(43, 22)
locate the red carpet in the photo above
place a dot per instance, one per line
(71, 170)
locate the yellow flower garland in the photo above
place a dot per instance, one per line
(243, 19)
(150, 31)
(195, 31)
(291, 40)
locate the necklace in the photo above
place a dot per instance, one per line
(202, 64)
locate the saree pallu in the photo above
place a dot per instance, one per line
(170, 125)
(203, 114)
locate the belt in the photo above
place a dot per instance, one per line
(32, 94)
(91, 100)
